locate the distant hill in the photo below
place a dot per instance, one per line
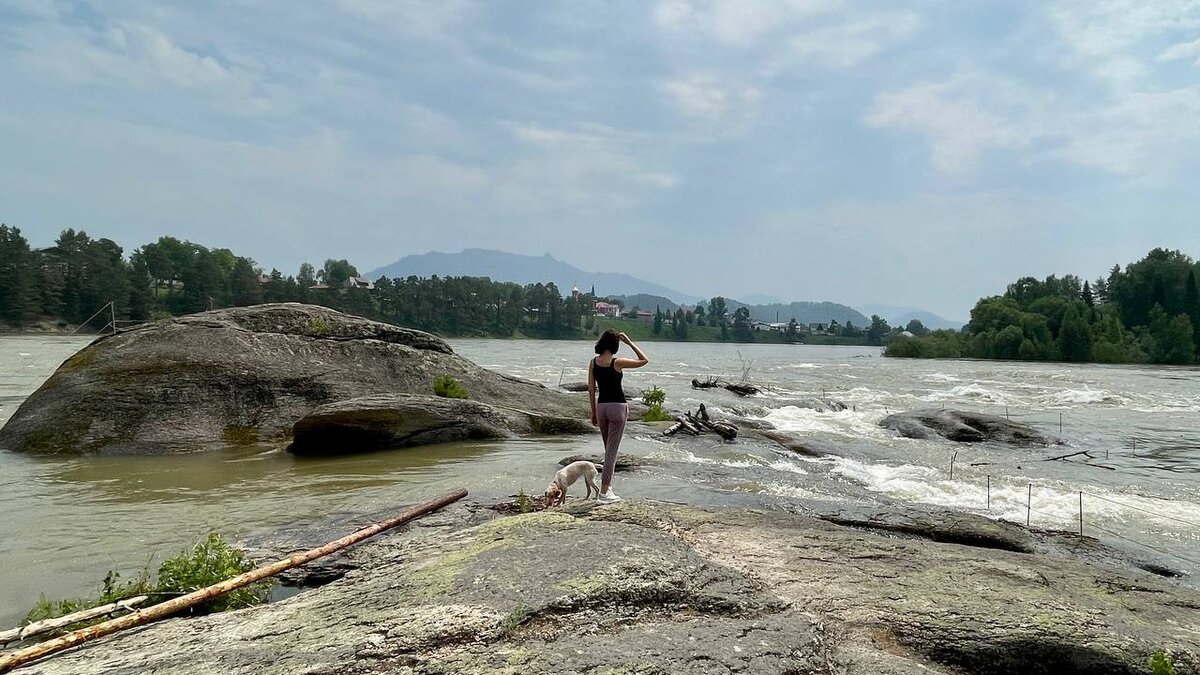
(760, 299)
(803, 312)
(900, 316)
(524, 269)
(648, 302)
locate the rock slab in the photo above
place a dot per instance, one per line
(965, 427)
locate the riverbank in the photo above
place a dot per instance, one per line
(663, 588)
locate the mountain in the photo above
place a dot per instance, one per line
(900, 316)
(803, 312)
(524, 269)
(648, 302)
(760, 299)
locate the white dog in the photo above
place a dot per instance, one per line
(566, 477)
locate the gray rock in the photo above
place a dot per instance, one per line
(624, 462)
(577, 387)
(241, 376)
(387, 421)
(651, 588)
(965, 427)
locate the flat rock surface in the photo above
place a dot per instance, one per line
(965, 427)
(241, 376)
(649, 588)
(624, 462)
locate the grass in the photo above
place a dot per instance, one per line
(447, 387)
(524, 504)
(319, 325)
(208, 562)
(518, 616)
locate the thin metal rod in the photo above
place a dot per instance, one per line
(1081, 513)
(1028, 505)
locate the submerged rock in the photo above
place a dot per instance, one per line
(387, 421)
(965, 427)
(652, 588)
(624, 462)
(241, 376)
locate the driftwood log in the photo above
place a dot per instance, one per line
(739, 388)
(20, 657)
(46, 625)
(697, 423)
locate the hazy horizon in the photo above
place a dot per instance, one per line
(881, 153)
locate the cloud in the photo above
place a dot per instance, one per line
(734, 22)
(845, 45)
(1182, 50)
(706, 96)
(957, 127)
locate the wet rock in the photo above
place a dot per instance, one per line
(241, 376)
(965, 427)
(388, 421)
(624, 462)
(630, 395)
(652, 588)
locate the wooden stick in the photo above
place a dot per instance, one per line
(47, 625)
(1073, 454)
(142, 616)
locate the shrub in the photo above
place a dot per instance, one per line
(1160, 664)
(209, 562)
(319, 325)
(447, 387)
(655, 397)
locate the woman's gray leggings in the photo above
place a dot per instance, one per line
(611, 419)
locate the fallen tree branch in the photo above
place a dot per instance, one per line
(681, 424)
(1072, 454)
(142, 616)
(46, 625)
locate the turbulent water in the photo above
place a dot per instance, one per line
(69, 520)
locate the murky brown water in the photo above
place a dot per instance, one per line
(69, 520)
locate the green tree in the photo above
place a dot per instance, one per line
(203, 284)
(1074, 337)
(1191, 305)
(658, 321)
(877, 330)
(1172, 338)
(743, 327)
(336, 272)
(716, 311)
(916, 327)
(244, 285)
(18, 295)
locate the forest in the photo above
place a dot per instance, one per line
(1148, 312)
(70, 281)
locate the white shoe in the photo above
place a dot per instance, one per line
(609, 497)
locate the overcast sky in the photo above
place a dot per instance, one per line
(922, 153)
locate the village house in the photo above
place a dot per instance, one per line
(602, 308)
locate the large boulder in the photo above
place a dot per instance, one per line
(386, 421)
(241, 376)
(965, 427)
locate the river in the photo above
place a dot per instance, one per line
(70, 520)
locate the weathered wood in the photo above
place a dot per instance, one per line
(142, 616)
(45, 626)
(742, 389)
(681, 424)
(723, 429)
(1072, 454)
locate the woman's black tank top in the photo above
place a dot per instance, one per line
(608, 381)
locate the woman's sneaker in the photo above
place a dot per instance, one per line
(609, 497)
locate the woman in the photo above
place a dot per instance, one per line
(610, 410)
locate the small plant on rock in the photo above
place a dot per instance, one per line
(447, 387)
(654, 398)
(1160, 664)
(524, 503)
(211, 561)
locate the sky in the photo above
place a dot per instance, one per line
(911, 153)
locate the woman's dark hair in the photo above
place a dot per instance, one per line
(608, 342)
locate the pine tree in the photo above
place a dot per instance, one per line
(17, 291)
(1191, 304)
(1087, 296)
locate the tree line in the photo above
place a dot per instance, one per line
(78, 275)
(1148, 312)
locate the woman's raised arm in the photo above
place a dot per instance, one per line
(641, 359)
